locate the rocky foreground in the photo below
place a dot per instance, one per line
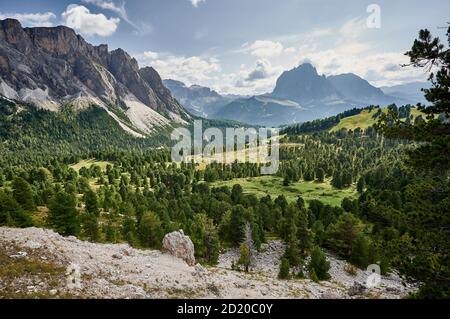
(38, 263)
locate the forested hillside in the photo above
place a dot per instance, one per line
(376, 194)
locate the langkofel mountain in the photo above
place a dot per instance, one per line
(54, 67)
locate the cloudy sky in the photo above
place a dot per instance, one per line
(242, 46)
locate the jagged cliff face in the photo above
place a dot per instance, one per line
(52, 67)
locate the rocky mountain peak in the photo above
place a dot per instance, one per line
(303, 84)
(355, 88)
(11, 31)
(119, 56)
(306, 68)
(59, 40)
(54, 66)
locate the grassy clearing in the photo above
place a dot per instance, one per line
(273, 186)
(89, 163)
(364, 120)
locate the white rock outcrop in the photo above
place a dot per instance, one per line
(179, 245)
(119, 271)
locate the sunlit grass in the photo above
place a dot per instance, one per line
(273, 186)
(89, 163)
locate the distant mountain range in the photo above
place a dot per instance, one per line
(300, 95)
(54, 67)
(410, 91)
(198, 100)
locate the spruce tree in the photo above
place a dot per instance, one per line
(23, 194)
(319, 265)
(91, 202)
(285, 269)
(320, 175)
(434, 133)
(150, 231)
(292, 253)
(304, 235)
(360, 252)
(63, 214)
(11, 213)
(90, 226)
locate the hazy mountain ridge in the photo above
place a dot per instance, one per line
(52, 67)
(198, 100)
(409, 91)
(311, 96)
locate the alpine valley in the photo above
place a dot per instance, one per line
(300, 95)
(94, 204)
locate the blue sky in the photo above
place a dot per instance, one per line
(242, 46)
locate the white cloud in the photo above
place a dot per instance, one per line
(353, 28)
(258, 79)
(290, 50)
(191, 70)
(90, 24)
(31, 19)
(109, 5)
(151, 55)
(263, 48)
(196, 3)
(342, 50)
(263, 70)
(379, 69)
(141, 28)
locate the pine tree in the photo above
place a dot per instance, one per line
(361, 185)
(150, 231)
(320, 175)
(205, 239)
(63, 214)
(301, 203)
(336, 182)
(319, 265)
(245, 257)
(237, 224)
(23, 194)
(91, 202)
(304, 235)
(236, 193)
(318, 231)
(285, 269)
(360, 252)
(90, 226)
(343, 233)
(286, 181)
(11, 213)
(292, 253)
(129, 231)
(433, 134)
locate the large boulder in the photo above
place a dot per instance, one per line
(179, 245)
